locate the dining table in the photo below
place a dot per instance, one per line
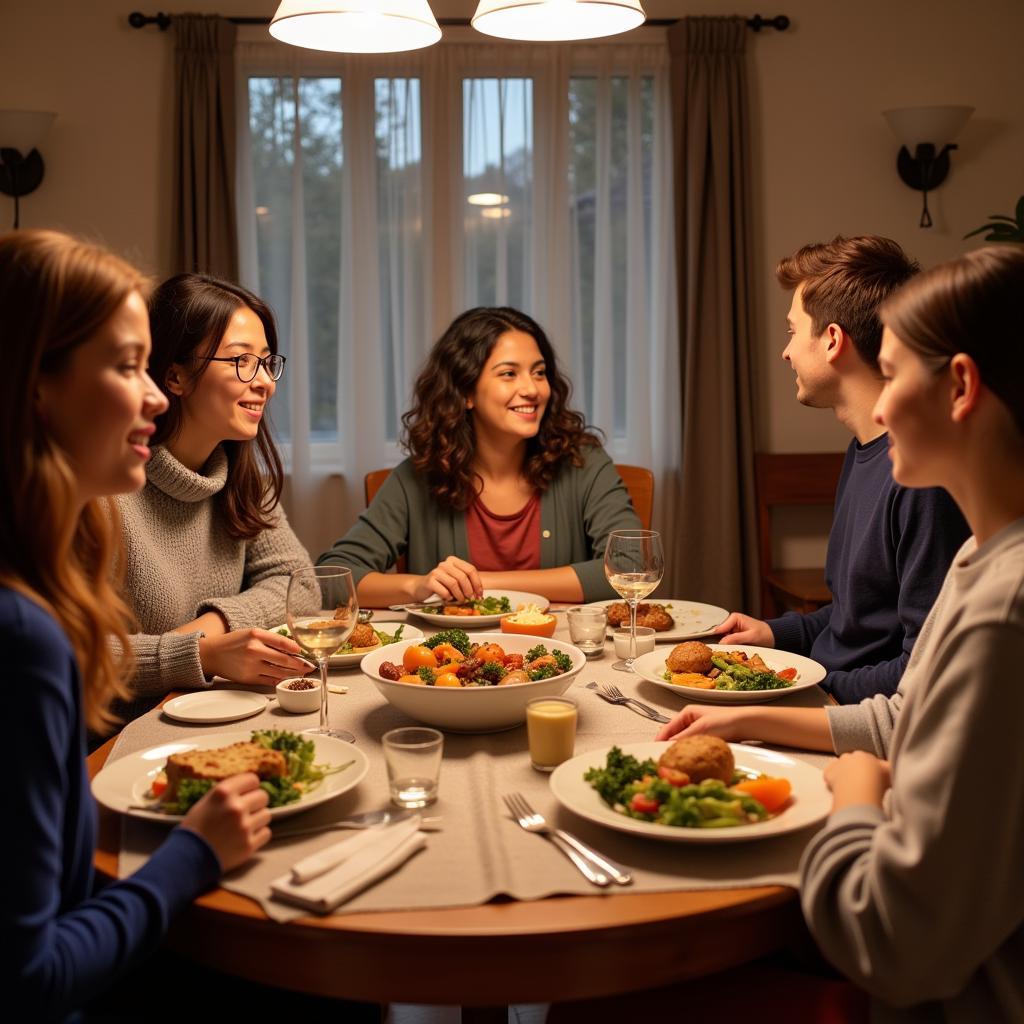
(487, 915)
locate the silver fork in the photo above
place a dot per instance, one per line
(527, 818)
(614, 695)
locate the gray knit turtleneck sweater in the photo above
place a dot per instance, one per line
(181, 562)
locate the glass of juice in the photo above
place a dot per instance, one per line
(551, 730)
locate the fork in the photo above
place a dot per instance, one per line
(614, 695)
(530, 820)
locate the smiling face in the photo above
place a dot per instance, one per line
(512, 391)
(100, 406)
(806, 354)
(217, 406)
(915, 408)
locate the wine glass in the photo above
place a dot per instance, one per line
(320, 632)
(634, 563)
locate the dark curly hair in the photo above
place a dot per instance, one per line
(188, 315)
(438, 433)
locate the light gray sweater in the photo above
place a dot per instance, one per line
(182, 562)
(923, 906)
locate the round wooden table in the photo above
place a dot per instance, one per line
(557, 949)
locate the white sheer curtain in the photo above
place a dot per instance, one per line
(354, 224)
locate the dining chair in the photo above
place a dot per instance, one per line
(371, 485)
(638, 480)
(787, 480)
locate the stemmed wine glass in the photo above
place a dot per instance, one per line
(634, 563)
(320, 632)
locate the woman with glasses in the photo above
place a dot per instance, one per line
(77, 409)
(209, 550)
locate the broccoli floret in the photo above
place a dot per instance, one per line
(562, 660)
(492, 671)
(427, 674)
(458, 638)
(543, 672)
(536, 652)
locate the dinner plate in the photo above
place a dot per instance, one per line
(651, 666)
(515, 598)
(809, 803)
(691, 618)
(122, 784)
(212, 706)
(352, 658)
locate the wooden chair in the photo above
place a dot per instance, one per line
(640, 484)
(792, 479)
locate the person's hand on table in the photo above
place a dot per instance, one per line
(857, 778)
(745, 629)
(257, 657)
(233, 818)
(451, 580)
(696, 719)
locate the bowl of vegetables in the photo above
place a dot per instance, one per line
(478, 684)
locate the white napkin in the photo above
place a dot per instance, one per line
(336, 874)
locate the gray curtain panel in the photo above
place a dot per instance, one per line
(203, 208)
(712, 549)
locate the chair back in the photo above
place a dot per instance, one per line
(640, 484)
(790, 479)
(372, 482)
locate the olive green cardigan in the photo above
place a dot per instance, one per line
(577, 512)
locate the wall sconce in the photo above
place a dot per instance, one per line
(356, 26)
(21, 166)
(926, 134)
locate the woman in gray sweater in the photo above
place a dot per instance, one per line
(208, 548)
(504, 486)
(914, 887)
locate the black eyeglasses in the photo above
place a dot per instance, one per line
(247, 365)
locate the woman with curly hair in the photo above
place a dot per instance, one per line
(504, 487)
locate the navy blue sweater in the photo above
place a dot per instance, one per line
(64, 943)
(888, 553)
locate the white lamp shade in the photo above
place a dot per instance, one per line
(24, 130)
(356, 26)
(937, 125)
(556, 20)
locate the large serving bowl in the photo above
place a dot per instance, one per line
(471, 708)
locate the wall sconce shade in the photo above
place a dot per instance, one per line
(356, 26)
(556, 20)
(21, 166)
(926, 134)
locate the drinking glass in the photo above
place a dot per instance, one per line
(319, 631)
(412, 755)
(634, 563)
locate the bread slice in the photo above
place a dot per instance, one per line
(222, 762)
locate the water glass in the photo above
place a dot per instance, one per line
(551, 731)
(622, 639)
(587, 628)
(413, 758)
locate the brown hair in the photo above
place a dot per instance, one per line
(970, 305)
(188, 315)
(438, 432)
(845, 281)
(55, 293)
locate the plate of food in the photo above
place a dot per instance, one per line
(488, 611)
(670, 618)
(366, 637)
(298, 772)
(213, 706)
(695, 789)
(728, 673)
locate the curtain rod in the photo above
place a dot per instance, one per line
(138, 20)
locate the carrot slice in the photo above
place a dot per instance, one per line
(772, 794)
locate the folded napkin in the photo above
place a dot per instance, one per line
(326, 879)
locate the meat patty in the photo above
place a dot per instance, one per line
(363, 636)
(700, 757)
(647, 614)
(693, 656)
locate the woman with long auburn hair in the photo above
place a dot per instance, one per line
(504, 487)
(913, 888)
(76, 409)
(208, 525)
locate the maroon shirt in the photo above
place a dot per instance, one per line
(504, 543)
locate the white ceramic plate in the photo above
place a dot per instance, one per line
(215, 706)
(692, 619)
(352, 658)
(651, 667)
(122, 785)
(515, 598)
(809, 803)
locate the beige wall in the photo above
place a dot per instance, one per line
(824, 158)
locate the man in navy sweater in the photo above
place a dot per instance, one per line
(889, 547)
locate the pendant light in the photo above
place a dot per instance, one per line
(556, 20)
(356, 26)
